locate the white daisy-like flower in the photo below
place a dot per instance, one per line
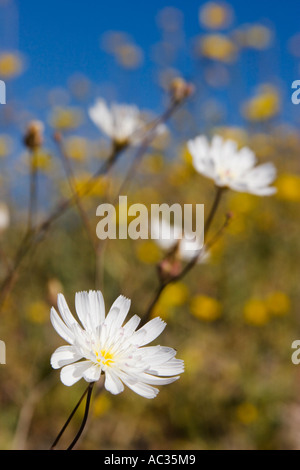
(100, 344)
(231, 168)
(119, 122)
(169, 236)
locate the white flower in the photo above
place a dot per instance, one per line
(126, 124)
(229, 167)
(120, 122)
(170, 236)
(99, 344)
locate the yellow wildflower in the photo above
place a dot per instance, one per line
(173, 296)
(205, 308)
(41, 161)
(215, 15)
(278, 303)
(102, 404)
(218, 47)
(38, 312)
(64, 119)
(85, 185)
(256, 312)
(10, 65)
(288, 187)
(264, 106)
(76, 148)
(247, 413)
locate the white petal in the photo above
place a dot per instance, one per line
(70, 374)
(121, 306)
(92, 374)
(112, 383)
(60, 326)
(172, 367)
(132, 325)
(154, 380)
(82, 305)
(142, 389)
(156, 355)
(97, 308)
(110, 320)
(64, 355)
(101, 116)
(65, 311)
(148, 332)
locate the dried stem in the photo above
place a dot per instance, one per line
(32, 238)
(71, 181)
(149, 137)
(32, 191)
(213, 210)
(188, 267)
(136, 161)
(27, 411)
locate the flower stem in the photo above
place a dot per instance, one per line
(33, 191)
(187, 268)
(86, 412)
(33, 237)
(70, 417)
(213, 210)
(72, 183)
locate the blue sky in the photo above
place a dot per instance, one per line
(60, 38)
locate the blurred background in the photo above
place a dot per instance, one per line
(233, 318)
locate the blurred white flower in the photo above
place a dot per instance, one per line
(4, 217)
(102, 345)
(126, 124)
(171, 237)
(232, 168)
(119, 122)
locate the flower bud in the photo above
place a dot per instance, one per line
(34, 138)
(168, 269)
(180, 89)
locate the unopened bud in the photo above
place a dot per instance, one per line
(33, 138)
(54, 287)
(168, 269)
(180, 89)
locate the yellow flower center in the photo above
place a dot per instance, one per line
(105, 358)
